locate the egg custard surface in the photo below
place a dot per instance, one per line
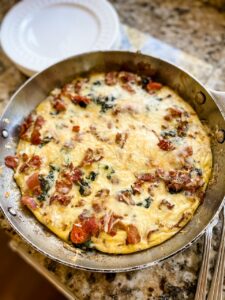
(116, 162)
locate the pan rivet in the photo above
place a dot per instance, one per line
(200, 98)
(5, 133)
(12, 211)
(220, 136)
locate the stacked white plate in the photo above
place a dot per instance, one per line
(38, 33)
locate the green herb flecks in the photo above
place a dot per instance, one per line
(146, 203)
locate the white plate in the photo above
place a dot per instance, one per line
(37, 33)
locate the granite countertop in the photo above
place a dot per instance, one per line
(199, 30)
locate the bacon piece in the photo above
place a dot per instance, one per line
(173, 112)
(62, 199)
(59, 105)
(165, 145)
(182, 128)
(29, 202)
(25, 126)
(36, 136)
(133, 236)
(126, 197)
(186, 152)
(11, 161)
(96, 207)
(91, 156)
(64, 186)
(35, 161)
(128, 88)
(25, 157)
(102, 193)
(167, 204)
(141, 179)
(153, 86)
(33, 183)
(121, 139)
(74, 174)
(83, 101)
(76, 128)
(112, 224)
(111, 78)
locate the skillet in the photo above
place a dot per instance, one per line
(210, 108)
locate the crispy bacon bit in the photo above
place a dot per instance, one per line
(141, 179)
(91, 156)
(133, 236)
(25, 157)
(121, 139)
(29, 202)
(111, 78)
(73, 174)
(182, 219)
(102, 193)
(96, 207)
(25, 126)
(173, 112)
(84, 229)
(61, 199)
(166, 203)
(36, 136)
(59, 105)
(76, 128)
(11, 161)
(63, 186)
(34, 162)
(178, 180)
(166, 145)
(83, 101)
(186, 152)
(78, 85)
(112, 224)
(182, 128)
(126, 197)
(153, 86)
(33, 183)
(128, 87)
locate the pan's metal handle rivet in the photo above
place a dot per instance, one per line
(12, 211)
(5, 133)
(220, 136)
(200, 98)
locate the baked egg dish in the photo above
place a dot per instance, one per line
(112, 161)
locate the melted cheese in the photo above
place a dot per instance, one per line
(142, 118)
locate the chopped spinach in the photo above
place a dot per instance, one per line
(166, 133)
(105, 102)
(54, 168)
(92, 176)
(85, 245)
(146, 203)
(45, 141)
(85, 189)
(97, 82)
(45, 183)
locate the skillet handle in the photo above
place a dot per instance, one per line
(220, 99)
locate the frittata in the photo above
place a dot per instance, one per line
(116, 162)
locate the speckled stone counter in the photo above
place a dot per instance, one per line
(199, 30)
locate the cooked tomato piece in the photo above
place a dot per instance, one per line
(11, 161)
(133, 236)
(78, 234)
(33, 181)
(29, 202)
(35, 161)
(76, 128)
(153, 86)
(91, 226)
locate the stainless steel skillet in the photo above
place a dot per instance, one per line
(210, 108)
